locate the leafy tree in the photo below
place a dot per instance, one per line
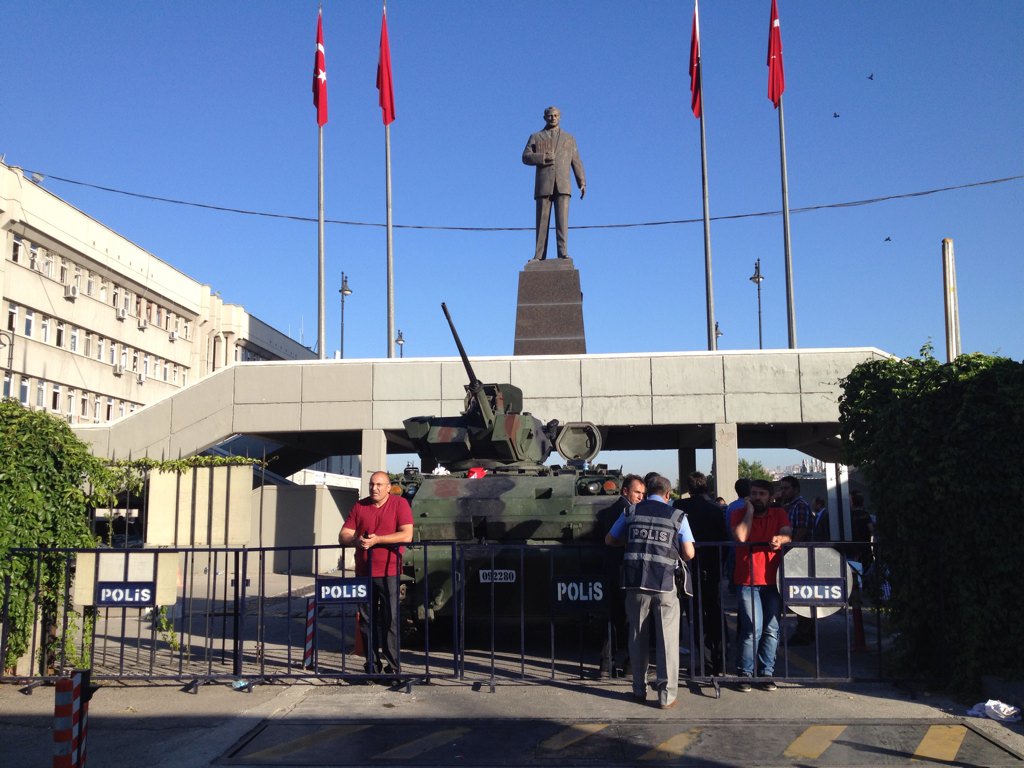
(753, 470)
(47, 480)
(940, 446)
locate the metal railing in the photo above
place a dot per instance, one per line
(472, 612)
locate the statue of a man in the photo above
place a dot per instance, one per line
(553, 151)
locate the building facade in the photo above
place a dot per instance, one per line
(94, 327)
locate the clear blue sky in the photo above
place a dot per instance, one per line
(211, 102)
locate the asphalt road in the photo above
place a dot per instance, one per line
(538, 723)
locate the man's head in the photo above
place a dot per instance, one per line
(633, 488)
(697, 484)
(856, 500)
(818, 504)
(648, 477)
(760, 495)
(789, 489)
(742, 487)
(380, 488)
(659, 486)
(551, 117)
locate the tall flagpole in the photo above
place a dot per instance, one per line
(391, 266)
(776, 85)
(387, 106)
(697, 105)
(320, 102)
(790, 313)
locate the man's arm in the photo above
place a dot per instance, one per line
(801, 521)
(577, 169)
(402, 536)
(615, 536)
(784, 536)
(346, 535)
(741, 531)
(533, 155)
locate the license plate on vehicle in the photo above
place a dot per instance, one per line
(498, 576)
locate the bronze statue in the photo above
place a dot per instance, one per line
(553, 151)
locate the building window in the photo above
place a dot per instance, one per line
(110, 408)
(60, 335)
(99, 348)
(88, 345)
(103, 292)
(44, 326)
(113, 353)
(188, 331)
(85, 404)
(184, 378)
(64, 271)
(120, 409)
(117, 294)
(30, 318)
(71, 402)
(88, 284)
(138, 306)
(46, 265)
(23, 391)
(40, 393)
(16, 253)
(78, 277)
(160, 316)
(135, 360)
(124, 356)
(96, 409)
(12, 317)
(55, 398)
(145, 365)
(166, 367)
(174, 375)
(7, 385)
(33, 257)
(74, 339)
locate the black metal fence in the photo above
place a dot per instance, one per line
(475, 612)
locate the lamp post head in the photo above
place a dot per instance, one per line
(718, 331)
(345, 290)
(399, 340)
(757, 277)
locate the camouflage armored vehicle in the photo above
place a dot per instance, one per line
(495, 488)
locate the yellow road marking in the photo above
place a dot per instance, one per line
(571, 735)
(316, 737)
(942, 742)
(674, 747)
(423, 744)
(813, 742)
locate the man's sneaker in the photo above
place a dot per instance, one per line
(769, 685)
(744, 686)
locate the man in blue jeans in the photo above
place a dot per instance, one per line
(766, 529)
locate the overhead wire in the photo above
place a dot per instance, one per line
(435, 227)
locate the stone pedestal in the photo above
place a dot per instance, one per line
(549, 312)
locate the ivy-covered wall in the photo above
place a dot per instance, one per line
(942, 448)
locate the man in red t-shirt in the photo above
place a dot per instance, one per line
(376, 525)
(758, 600)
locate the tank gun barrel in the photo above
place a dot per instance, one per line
(475, 386)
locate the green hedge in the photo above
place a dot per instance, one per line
(942, 448)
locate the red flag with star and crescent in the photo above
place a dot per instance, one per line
(320, 74)
(387, 93)
(696, 97)
(776, 77)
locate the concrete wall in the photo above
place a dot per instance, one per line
(300, 516)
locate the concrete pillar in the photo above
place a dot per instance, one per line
(373, 458)
(687, 463)
(726, 460)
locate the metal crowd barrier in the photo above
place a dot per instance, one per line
(470, 612)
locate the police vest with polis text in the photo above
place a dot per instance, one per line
(651, 549)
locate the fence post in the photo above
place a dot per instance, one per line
(70, 719)
(307, 654)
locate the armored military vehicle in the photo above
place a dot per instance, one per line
(489, 485)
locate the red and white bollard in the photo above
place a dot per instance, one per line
(70, 720)
(307, 654)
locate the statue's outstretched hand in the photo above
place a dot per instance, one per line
(583, 191)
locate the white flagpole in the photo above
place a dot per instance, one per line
(321, 327)
(391, 268)
(790, 313)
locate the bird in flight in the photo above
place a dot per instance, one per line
(835, 114)
(871, 76)
(888, 239)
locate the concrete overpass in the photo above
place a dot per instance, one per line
(671, 400)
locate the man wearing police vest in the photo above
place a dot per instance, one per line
(656, 535)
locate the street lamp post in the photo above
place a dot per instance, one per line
(344, 291)
(756, 279)
(718, 334)
(400, 341)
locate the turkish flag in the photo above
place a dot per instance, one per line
(696, 98)
(387, 93)
(776, 77)
(320, 74)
